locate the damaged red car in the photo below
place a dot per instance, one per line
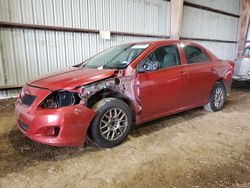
(121, 87)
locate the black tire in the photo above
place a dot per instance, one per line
(213, 105)
(105, 108)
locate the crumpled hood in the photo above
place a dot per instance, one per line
(70, 78)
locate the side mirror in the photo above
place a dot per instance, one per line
(143, 67)
(148, 66)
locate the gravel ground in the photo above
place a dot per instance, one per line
(190, 149)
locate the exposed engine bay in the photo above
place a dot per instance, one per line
(124, 87)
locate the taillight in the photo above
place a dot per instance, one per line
(231, 65)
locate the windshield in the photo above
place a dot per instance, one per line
(117, 57)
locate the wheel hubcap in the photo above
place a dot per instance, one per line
(218, 99)
(113, 124)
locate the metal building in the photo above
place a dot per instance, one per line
(214, 24)
(40, 36)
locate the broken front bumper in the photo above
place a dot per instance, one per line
(66, 126)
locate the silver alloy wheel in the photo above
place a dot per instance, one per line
(113, 124)
(218, 99)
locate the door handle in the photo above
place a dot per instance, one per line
(183, 74)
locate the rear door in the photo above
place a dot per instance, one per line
(202, 74)
(163, 90)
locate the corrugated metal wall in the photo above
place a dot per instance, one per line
(199, 23)
(140, 16)
(26, 54)
(232, 6)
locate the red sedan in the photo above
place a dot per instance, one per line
(121, 87)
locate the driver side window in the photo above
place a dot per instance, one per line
(162, 57)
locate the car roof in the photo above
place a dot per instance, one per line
(165, 41)
(157, 43)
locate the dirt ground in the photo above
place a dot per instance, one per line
(190, 149)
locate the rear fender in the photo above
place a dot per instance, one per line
(227, 76)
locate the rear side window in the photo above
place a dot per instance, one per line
(195, 55)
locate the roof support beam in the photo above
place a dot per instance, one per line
(14, 25)
(244, 24)
(176, 18)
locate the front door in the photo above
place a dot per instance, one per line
(162, 83)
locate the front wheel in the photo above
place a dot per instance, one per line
(112, 122)
(217, 98)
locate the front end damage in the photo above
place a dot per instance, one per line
(62, 118)
(119, 86)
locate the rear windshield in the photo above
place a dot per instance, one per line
(117, 57)
(246, 52)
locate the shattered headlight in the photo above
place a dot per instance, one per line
(59, 99)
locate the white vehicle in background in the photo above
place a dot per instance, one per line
(242, 66)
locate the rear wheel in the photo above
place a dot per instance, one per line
(217, 98)
(112, 122)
